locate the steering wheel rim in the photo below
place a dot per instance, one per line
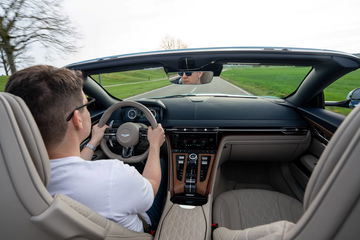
(105, 117)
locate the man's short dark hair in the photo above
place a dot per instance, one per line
(50, 93)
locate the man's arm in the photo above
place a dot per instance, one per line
(97, 134)
(152, 170)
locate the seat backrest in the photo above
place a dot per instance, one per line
(23, 192)
(27, 210)
(332, 197)
(334, 151)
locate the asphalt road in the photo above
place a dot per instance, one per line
(217, 85)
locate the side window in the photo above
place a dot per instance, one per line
(339, 90)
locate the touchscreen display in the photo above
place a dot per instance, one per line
(200, 141)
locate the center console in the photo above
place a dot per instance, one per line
(187, 212)
(193, 152)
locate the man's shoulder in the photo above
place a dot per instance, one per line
(105, 162)
(108, 168)
(74, 160)
(79, 163)
(116, 166)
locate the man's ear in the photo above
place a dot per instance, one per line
(77, 120)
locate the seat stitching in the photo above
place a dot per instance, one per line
(268, 229)
(220, 235)
(247, 234)
(229, 210)
(292, 204)
(222, 211)
(283, 230)
(240, 215)
(278, 205)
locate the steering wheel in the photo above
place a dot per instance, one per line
(127, 135)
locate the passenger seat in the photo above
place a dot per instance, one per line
(331, 200)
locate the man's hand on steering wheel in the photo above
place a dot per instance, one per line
(97, 134)
(156, 136)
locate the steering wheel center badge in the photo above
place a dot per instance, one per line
(125, 135)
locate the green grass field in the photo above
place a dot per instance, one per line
(266, 81)
(131, 83)
(3, 80)
(130, 76)
(281, 81)
(125, 91)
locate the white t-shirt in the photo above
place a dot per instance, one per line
(111, 188)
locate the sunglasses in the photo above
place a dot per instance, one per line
(90, 101)
(188, 74)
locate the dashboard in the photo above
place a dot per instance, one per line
(223, 113)
(195, 127)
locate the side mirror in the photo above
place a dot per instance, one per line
(352, 100)
(353, 97)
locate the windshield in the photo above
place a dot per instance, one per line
(235, 80)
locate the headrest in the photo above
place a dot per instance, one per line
(22, 119)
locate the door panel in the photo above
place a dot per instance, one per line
(322, 124)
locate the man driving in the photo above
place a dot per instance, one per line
(113, 189)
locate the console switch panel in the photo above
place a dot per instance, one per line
(191, 173)
(204, 166)
(180, 160)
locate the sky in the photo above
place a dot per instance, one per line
(111, 27)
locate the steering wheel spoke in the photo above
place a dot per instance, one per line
(110, 136)
(110, 132)
(143, 132)
(127, 152)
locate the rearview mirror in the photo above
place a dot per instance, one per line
(191, 77)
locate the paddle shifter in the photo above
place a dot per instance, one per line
(190, 175)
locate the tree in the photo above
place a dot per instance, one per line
(4, 62)
(24, 23)
(172, 43)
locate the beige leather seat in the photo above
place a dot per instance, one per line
(332, 196)
(27, 210)
(246, 208)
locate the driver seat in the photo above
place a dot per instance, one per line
(27, 209)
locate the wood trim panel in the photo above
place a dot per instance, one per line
(178, 185)
(203, 187)
(170, 166)
(328, 134)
